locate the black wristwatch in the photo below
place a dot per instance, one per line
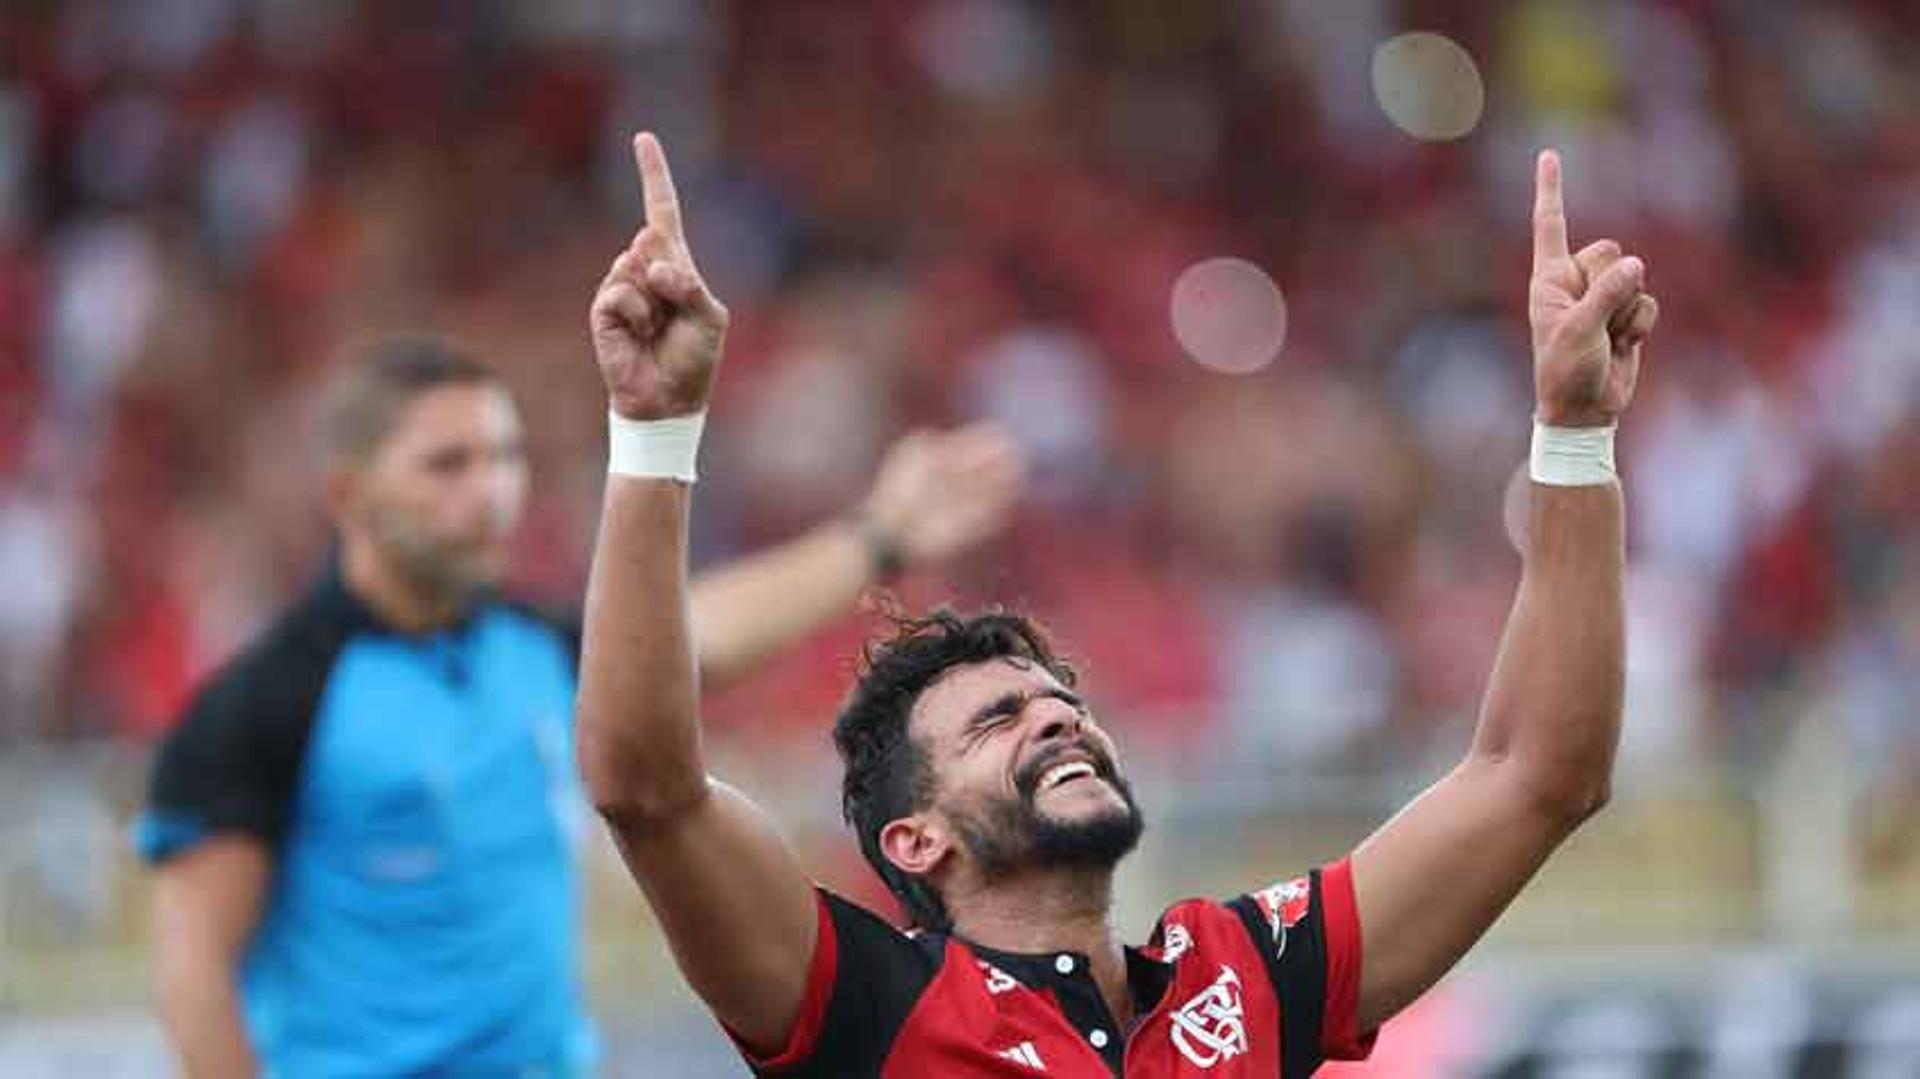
(885, 555)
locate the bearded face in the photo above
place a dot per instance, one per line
(441, 497)
(1022, 777)
(1091, 830)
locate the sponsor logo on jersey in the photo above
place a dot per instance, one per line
(1212, 1027)
(1176, 943)
(1026, 1054)
(1284, 905)
(998, 981)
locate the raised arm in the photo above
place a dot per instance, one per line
(937, 494)
(738, 911)
(1431, 881)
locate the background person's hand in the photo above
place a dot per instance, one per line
(657, 331)
(1590, 316)
(940, 492)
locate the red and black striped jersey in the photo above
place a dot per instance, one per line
(1264, 985)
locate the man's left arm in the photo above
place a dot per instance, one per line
(936, 495)
(1430, 882)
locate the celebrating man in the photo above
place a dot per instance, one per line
(365, 826)
(996, 808)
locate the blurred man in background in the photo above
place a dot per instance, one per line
(365, 828)
(988, 208)
(997, 809)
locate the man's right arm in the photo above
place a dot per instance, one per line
(218, 803)
(741, 916)
(206, 903)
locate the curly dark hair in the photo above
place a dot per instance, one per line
(888, 775)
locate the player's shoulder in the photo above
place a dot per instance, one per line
(866, 934)
(1205, 908)
(864, 983)
(1265, 914)
(1197, 922)
(1282, 904)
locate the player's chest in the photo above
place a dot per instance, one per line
(1213, 1019)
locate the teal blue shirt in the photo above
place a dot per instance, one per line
(419, 795)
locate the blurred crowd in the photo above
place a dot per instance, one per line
(927, 212)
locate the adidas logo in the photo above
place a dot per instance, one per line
(1026, 1054)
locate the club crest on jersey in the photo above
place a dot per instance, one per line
(1212, 1027)
(1284, 905)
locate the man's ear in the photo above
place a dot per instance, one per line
(915, 845)
(338, 487)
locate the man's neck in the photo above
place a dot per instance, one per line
(403, 604)
(1054, 911)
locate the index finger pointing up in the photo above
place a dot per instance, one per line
(1549, 214)
(656, 185)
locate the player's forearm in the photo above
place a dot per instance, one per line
(638, 711)
(750, 610)
(200, 1007)
(1552, 712)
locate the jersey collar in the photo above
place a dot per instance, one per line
(1148, 976)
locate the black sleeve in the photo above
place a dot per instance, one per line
(1307, 930)
(864, 982)
(233, 762)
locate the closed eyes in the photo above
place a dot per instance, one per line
(1009, 705)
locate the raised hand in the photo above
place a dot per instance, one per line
(1589, 313)
(657, 330)
(940, 492)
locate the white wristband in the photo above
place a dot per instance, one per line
(1572, 456)
(660, 449)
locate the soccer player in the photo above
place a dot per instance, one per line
(365, 828)
(990, 800)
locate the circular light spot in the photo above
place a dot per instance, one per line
(1229, 315)
(1514, 507)
(1064, 964)
(1428, 86)
(1098, 1038)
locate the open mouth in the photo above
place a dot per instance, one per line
(1066, 772)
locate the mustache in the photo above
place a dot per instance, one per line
(1026, 779)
